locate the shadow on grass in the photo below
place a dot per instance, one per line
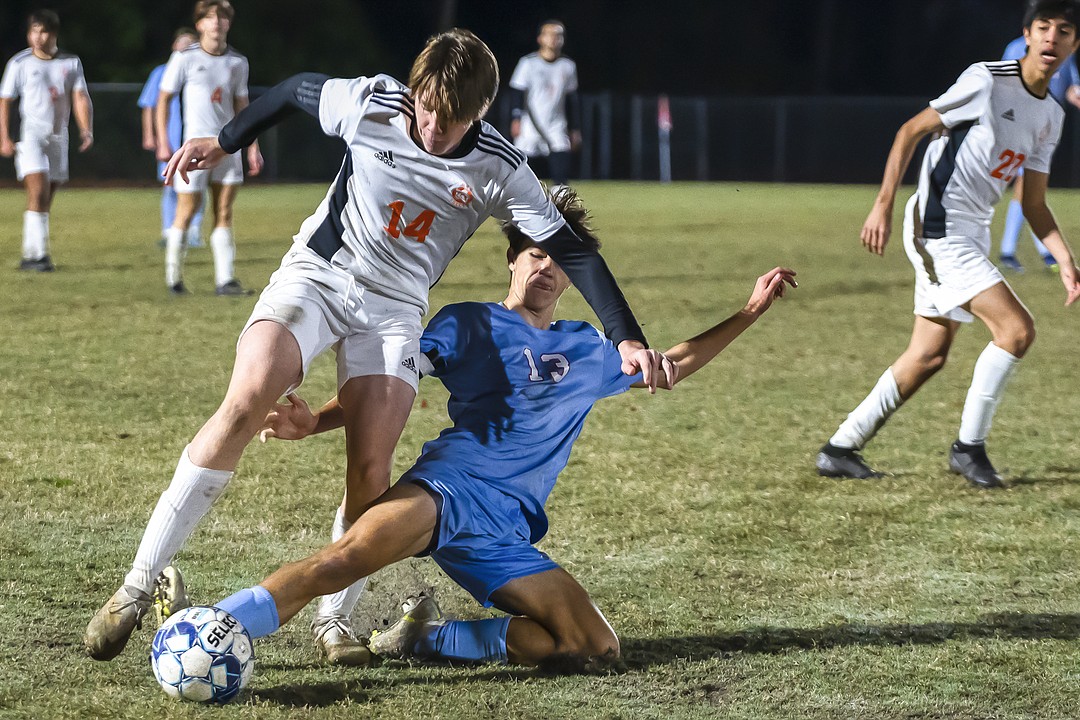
(642, 653)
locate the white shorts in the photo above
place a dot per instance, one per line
(229, 172)
(323, 307)
(949, 271)
(42, 153)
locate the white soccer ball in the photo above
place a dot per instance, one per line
(202, 654)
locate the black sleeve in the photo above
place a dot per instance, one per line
(590, 274)
(517, 103)
(300, 92)
(573, 111)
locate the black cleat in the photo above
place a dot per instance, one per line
(838, 462)
(42, 264)
(179, 289)
(233, 287)
(971, 462)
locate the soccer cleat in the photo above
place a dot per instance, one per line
(1051, 263)
(179, 289)
(233, 287)
(421, 612)
(337, 643)
(1011, 263)
(112, 625)
(42, 264)
(972, 462)
(169, 596)
(837, 462)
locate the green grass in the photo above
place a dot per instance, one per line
(742, 585)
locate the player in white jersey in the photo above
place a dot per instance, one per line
(51, 85)
(420, 174)
(544, 105)
(996, 118)
(214, 81)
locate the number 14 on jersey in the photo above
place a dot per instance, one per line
(418, 229)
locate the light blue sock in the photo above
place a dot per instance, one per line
(254, 608)
(168, 207)
(1014, 220)
(466, 641)
(1046, 256)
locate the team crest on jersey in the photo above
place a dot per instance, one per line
(462, 195)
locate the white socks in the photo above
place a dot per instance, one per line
(175, 249)
(221, 243)
(35, 235)
(343, 602)
(183, 504)
(865, 420)
(992, 372)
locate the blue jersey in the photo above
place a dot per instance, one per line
(518, 399)
(148, 99)
(1066, 76)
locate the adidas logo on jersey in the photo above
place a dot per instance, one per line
(386, 156)
(1008, 115)
(409, 364)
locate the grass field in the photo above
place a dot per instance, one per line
(742, 585)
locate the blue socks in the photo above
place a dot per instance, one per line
(466, 641)
(1014, 221)
(254, 608)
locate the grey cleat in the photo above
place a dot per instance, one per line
(112, 625)
(42, 264)
(972, 462)
(233, 287)
(179, 289)
(421, 612)
(338, 643)
(169, 596)
(838, 462)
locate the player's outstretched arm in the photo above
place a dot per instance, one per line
(300, 92)
(878, 226)
(293, 420)
(1045, 227)
(693, 354)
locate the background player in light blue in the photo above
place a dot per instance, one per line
(520, 389)
(1065, 87)
(148, 101)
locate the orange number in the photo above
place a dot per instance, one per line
(418, 229)
(216, 96)
(1011, 162)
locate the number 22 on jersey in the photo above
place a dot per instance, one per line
(418, 229)
(1010, 163)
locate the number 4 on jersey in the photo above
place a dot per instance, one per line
(418, 229)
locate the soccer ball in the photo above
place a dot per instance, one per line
(202, 654)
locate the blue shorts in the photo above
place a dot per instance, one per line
(482, 537)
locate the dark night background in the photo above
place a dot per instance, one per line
(681, 47)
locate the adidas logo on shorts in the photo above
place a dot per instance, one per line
(386, 156)
(409, 364)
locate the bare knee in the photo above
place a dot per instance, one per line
(1017, 338)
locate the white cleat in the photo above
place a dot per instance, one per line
(421, 612)
(112, 625)
(337, 643)
(169, 596)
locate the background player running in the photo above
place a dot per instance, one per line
(996, 118)
(520, 389)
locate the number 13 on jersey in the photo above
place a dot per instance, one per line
(418, 229)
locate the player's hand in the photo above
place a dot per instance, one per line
(86, 140)
(1070, 277)
(7, 148)
(289, 421)
(575, 140)
(195, 154)
(876, 229)
(255, 161)
(653, 365)
(515, 128)
(769, 286)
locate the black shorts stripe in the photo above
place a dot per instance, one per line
(327, 238)
(934, 219)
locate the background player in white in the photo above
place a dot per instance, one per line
(1065, 88)
(51, 85)
(420, 174)
(148, 99)
(214, 81)
(544, 105)
(476, 503)
(998, 117)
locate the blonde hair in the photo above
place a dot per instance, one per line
(455, 76)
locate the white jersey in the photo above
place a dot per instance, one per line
(396, 215)
(545, 84)
(46, 87)
(995, 128)
(210, 83)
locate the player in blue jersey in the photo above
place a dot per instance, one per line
(1065, 88)
(147, 102)
(520, 389)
